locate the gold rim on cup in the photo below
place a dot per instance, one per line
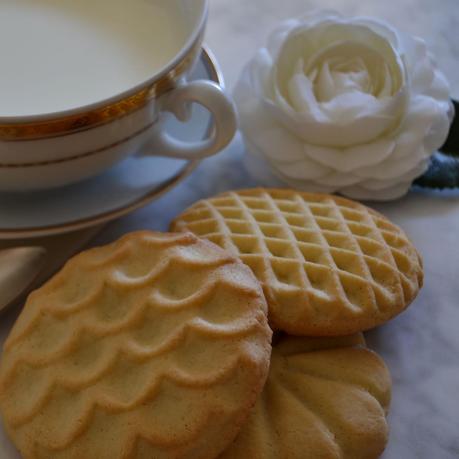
(61, 126)
(215, 75)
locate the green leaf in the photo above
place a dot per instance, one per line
(443, 173)
(451, 147)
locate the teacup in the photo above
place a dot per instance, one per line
(86, 83)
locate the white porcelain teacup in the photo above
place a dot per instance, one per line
(84, 82)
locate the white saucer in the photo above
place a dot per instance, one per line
(126, 187)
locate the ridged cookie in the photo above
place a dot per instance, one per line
(328, 266)
(156, 346)
(325, 398)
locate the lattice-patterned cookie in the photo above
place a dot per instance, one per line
(324, 398)
(156, 346)
(328, 266)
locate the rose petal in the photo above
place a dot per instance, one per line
(347, 160)
(440, 88)
(256, 77)
(388, 194)
(357, 105)
(302, 98)
(378, 63)
(301, 170)
(382, 28)
(337, 180)
(310, 186)
(393, 170)
(348, 132)
(278, 36)
(386, 89)
(426, 125)
(271, 138)
(419, 65)
(438, 132)
(258, 168)
(376, 184)
(332, 124)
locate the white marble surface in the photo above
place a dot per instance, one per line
(421, 347)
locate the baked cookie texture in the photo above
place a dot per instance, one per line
(156, 346)
(325, 398)
(328, 266)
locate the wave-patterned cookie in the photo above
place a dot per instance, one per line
(155, 346)
(328, 266)
(324, 398)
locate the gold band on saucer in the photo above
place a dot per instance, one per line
(106, 114)
(80, 155)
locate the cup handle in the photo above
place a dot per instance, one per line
(177, 101)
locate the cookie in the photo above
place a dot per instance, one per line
(328, 266)
(156, 346)
(324, 398)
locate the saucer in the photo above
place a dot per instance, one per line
(126, 187)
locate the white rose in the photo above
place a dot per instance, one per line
(344, 105)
